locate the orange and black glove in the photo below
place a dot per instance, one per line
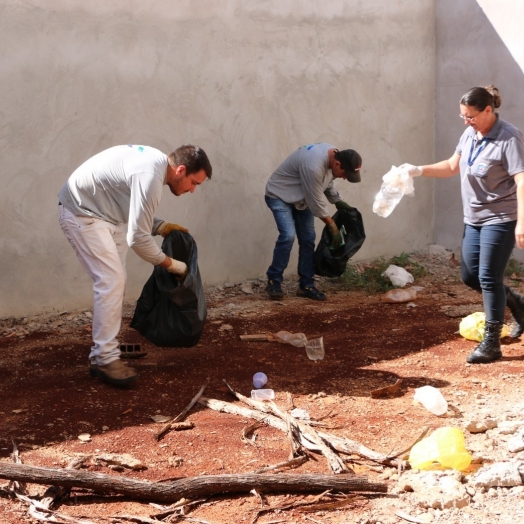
(166, 227)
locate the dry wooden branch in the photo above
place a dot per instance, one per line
(259, 337)
(55, 493)
(294, 430)
(181, 415)
(387, 390)
(190, 487)
(340, 444)
(247, 431)
(293, 463)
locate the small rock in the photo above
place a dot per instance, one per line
(300, 413)
(121, 460)
(247, 288)
(481, 426)
(160, 418)
(508, 427)
(501, 474)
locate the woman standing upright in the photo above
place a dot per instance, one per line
(490, 160)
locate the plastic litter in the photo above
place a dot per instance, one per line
(398, 275)
(295, 339)
(396, 183)
(315, 348)
(432, 399)
(262, 394)
(259, 380)
(472, 327)
(399, 295)
(444, 448)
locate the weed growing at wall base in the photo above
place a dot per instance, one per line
(514, 270)
(368, 275)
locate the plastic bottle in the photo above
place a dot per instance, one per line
(295, 339)
(395, 185)
(259, 380)
(431, 398)
(262, 394)
(386, 200)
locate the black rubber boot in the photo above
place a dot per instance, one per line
(489, 349)
(515, 303)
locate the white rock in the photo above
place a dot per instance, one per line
(516, 444)
(508, 427)
(247, 288)
(300, 413)
(501, 474)
(436, 489)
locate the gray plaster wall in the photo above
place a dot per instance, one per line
(478, 43)
(248, 81)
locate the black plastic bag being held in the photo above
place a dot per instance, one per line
(172, 313)
(332, 263)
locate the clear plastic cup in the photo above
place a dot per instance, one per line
(315, 348)
(262, 394)
(259, 380)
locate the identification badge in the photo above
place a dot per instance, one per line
(482, 169)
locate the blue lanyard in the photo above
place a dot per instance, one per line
(483, 143)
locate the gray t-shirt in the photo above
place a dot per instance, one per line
(489, 192)
(121, 185)
(303, 179)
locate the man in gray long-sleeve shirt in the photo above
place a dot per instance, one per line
(296, 193)
(108, 205)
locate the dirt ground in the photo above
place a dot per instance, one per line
(48, 399)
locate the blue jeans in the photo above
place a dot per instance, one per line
(292, 222)
(485, 254)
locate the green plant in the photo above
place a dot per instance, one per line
(368, 276)
(514, 269)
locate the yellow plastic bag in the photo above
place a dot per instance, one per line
(444, 448)
(472, 327)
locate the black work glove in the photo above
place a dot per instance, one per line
(342, 205)
(336, 236)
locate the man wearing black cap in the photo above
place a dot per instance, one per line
(295, 194)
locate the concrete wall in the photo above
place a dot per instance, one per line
(478, 42)
(248, 81)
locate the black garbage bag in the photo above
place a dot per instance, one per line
(332, 263)
(169, 312)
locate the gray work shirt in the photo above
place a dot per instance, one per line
(303, 179)
(489, 192)
(121, 185)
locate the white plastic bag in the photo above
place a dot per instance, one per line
(432, 399)
(398, 275)
(396, 183)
